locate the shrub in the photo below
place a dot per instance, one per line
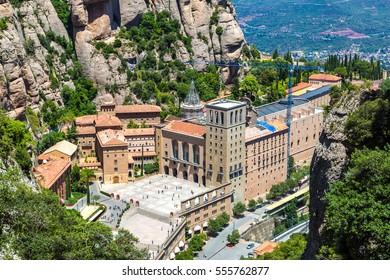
(29, 46)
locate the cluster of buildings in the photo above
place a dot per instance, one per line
(225, 150)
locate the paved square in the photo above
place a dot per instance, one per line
(160, 194)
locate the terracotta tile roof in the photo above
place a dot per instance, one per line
(324, 77)
(110, 137)
(86, 120)
(300, 86)
(146, 154)
(138, 131)
(86, 130)
(266, 247)
(170, 118)
(90, 164)
(279, 125)
(47, 173)
(137, 109)
(107, 121)
(186, 128)
(42, 157)
(64, 147)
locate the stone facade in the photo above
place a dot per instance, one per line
(265, 160)
(112, 152)
(200, 208)
(225, 145)
(181, 151)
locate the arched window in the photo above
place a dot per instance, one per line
(240, 115)
(197, 201)
(222, 117)
(196, 179)
(211, 116)
(166, 170)
(214, 194)
(195, 152)
(188, 204)
(216, 117)
(186, 151)
(174, 172)
(231, 117)
(235, 117)
(185, 175)
(175, 149)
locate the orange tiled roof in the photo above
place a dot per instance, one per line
(186, 128)
(146, 154)
(86, 130)
(107, 121)
(137, 109)
(48, 173)
(90, 164)
(86, 120)
(324, 77)
(300, 86)
(266, 247)
(110, 137)
(138, 131)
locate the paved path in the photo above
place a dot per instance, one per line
(114, 207)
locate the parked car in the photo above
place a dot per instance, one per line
(250, 255)
(229, 245)
(250, 245)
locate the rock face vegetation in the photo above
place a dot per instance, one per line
(349, 194)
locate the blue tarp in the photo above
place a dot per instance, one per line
(266, 126)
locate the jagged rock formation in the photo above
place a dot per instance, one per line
(25, 75)
(329, 164)
(99, 19)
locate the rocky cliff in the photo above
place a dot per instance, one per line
(28, 66)
(329, 164)
(199, 19)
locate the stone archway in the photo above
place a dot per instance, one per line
(115, 180)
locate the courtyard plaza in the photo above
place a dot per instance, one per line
(156, 215)
(160, 194)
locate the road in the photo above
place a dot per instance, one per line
(216, 249)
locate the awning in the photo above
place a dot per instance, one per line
(181, 244)
(177, 250)
(206, 224)
(197, 228)
(172, 256)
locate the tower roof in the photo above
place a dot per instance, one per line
(192, 97)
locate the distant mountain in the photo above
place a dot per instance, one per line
(315, 25)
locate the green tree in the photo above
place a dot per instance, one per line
(197, 242)
(42, 229)
(239, 208)
(275, 54)
(358, 214)
(260, 200)
(214, 226)
(369, 125)
(185, 255)
(292, 249)
(234, 237)
(132, 124)
(290, 212)
(249, 86)
(291, 165)
(252, 204)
